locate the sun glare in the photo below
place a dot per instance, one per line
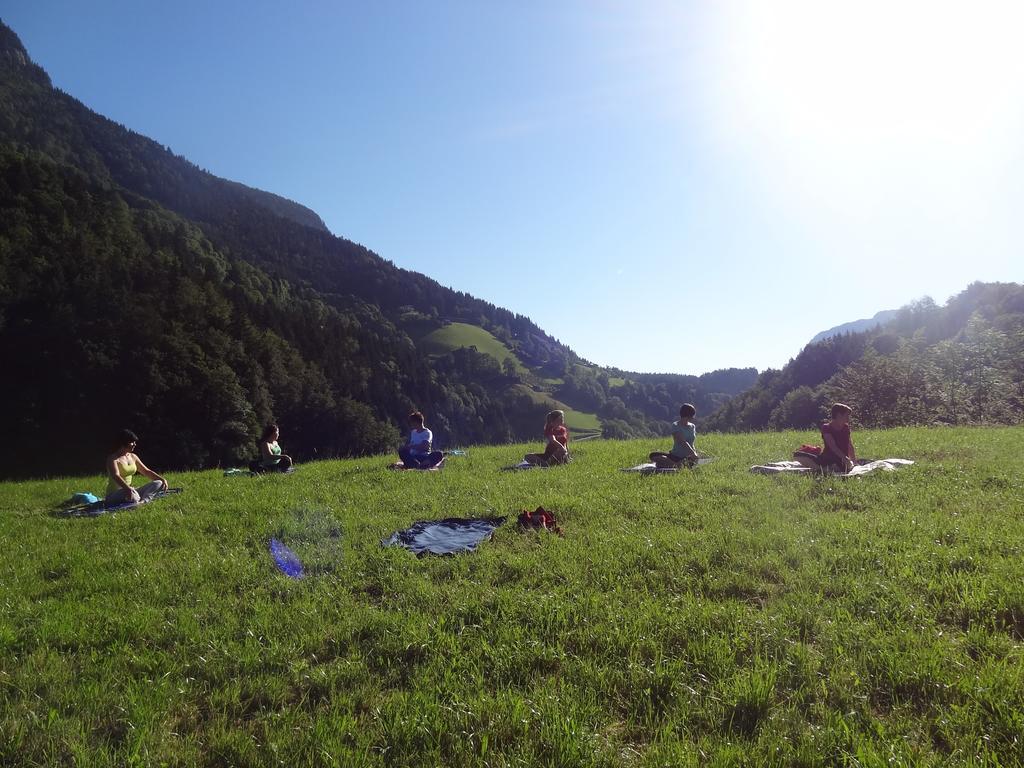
(875, 73)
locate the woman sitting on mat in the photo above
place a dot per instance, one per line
(122, 465)
(271, 458)
(557, 449)
(684, 436)
(416, 453)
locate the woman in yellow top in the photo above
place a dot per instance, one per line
(122, 466)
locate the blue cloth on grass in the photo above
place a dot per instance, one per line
(444, 537)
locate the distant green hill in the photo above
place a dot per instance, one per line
(460, 335)
(577, 421)
(962, 363)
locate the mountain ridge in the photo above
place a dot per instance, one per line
(856, 326)
(15, 57)
(264, 313)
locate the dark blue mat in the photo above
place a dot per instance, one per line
(100, 508)
(444, 537)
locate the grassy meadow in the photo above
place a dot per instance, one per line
(712, 617)
(456, 335)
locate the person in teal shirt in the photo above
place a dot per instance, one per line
(271, 459)
(684, 436)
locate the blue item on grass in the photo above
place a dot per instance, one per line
(100, 506)
(84, 498)
(286, 560)
(444, 537)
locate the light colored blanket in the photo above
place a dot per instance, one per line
(650, 468)
(795, 467)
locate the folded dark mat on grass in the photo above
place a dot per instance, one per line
(444, 537)
(286, 560)
(236, 472)
(100, 508)
(400, 466)
(863, 468)
(523, 465)
(650, 468)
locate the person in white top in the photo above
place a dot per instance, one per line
(416, 453)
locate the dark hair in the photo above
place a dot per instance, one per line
(268, 431)
(687, 411)
(417, 417)
(124, 437)
(838, 408)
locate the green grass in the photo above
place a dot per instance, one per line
(457, 335)
(712, 617)
(575, 420)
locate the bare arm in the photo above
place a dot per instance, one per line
(144, 470)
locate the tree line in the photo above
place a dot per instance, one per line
(962, 363)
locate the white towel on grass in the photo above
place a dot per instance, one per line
(795, 467)
(649, 468)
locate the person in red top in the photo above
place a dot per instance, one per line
(838, 452)
(557, 449)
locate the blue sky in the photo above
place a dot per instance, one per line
(662, 186)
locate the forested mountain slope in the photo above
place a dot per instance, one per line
(137, 289)
(962, 363)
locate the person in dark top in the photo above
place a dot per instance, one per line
(838, 453)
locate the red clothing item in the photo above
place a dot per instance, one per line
(560, 433)
(841, 435)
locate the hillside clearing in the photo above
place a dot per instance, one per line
(457, 335)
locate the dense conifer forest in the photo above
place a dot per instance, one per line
(139, 290)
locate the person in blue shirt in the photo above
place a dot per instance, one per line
(684, 435)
